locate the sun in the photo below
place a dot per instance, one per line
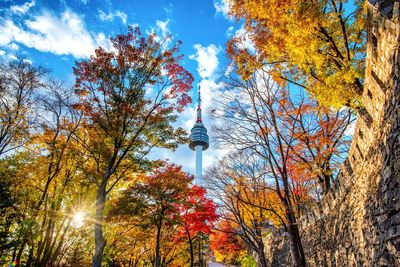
(78, 219)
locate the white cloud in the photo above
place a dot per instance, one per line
(62, 35)
(207, 67)
(134, 25)
(11, 57)
(103, 41)
(22, 9)
(163, 27)
(245, 39)
(229, 70)
(13, 46)
(207, 59)
(5, 34)
(161, 30)
(28, 61)
(111, 15)
(2, 52)
(222, 6)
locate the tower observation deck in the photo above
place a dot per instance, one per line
(199, 141)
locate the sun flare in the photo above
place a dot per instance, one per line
(79, 219)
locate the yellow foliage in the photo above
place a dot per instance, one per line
(320, 42)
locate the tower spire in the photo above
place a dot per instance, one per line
(199, 120)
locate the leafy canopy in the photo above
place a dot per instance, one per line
(319, 45)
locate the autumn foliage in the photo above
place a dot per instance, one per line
(319, 45)
(226, 244)
(136, 64)
(288, 150)
(171, 211)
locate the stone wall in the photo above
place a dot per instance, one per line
(358, 221)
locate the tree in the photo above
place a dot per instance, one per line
(322, 140)
(153, 205)
(260, 116)
(135, 248)
(198, 215)
(45, 183)
(319, 45)
(160, 214)
(18, 81)
(319, 136)
(248, 202)
(129, 97)
(59, 169)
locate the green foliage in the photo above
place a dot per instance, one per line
(248, 261)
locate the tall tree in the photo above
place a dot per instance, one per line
(266, 119)
(319, 45)
(153, 203)
(18, 81)
(248, 201)
(322, 139)
(198, 215)
(129, 97)
(59, 164)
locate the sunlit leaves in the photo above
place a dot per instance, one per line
(319, 44)
(163, 211)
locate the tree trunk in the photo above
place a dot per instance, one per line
(99, 241)
(262, 261)
(30, 256)
(57, 251)
(19, 254)
(325, 178)
(14, 252)
(296, 248)
(158, 245)
(190, 246)
(200, 259)
(327, 183)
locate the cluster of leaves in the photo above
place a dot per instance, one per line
(226, 244)
(319, 45)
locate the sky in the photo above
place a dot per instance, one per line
(54, 34)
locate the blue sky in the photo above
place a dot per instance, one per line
(56, 33)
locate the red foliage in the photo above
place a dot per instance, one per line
(225, 240)
(120, 77)
(197, 213)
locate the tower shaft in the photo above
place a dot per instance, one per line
(199, 165)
